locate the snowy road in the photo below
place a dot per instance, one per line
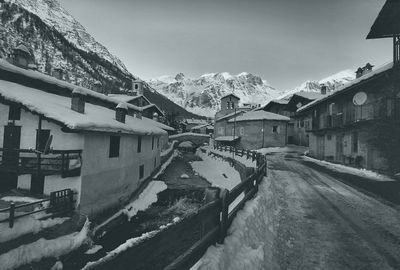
(323, 223)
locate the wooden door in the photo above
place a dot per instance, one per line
(10, 159)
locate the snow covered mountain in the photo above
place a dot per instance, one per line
(202, 95)
(57, 40)
(332, 82)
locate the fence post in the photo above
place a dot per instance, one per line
(70, 200)
(211, 194)
(224, 195)
(12, 214)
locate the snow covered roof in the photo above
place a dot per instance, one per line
(68, 87)
(348, 86)
(309, 95)
(158, 124)
(226, 138)
(196, 121)
(58, 108)
(23, 48)
(239, 111)
(204, 125)
(260, 115)
(124, 98)
(231, 94)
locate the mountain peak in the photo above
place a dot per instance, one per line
(202, 95)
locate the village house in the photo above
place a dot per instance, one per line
(358, 124)
(189, 123)
(288, 106)
(249, 129)
(55, 135)
(203, 129)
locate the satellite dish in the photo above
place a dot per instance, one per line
(360, 98)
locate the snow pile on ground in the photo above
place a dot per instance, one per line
(125, 246)
(250, 238)
(186, 144)
(246, 162)
(212, 168)
(146, 198)
(42, 248)
(289, 148)
(167, 151)
(19, 199)
(25, 225)
(350, 170)
(166, 164)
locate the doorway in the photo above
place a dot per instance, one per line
(10, 161)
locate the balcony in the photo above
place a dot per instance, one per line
(385, 109)
(66, 163)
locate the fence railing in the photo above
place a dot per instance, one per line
(180, 245)
(67, 163)
(60, 202)
(249, 154)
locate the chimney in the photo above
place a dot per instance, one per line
(97, 86)
(78, 100)
(367, 69)
(138, 115)
(120, 112)
(359, 72)
(323, 89)
(58, 73)
(155, 116)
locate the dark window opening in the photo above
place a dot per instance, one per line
(141, 171)
(114, 146)
(136, 86)
(14, 113)
(155, 162)
(139, 144)
(354, 140)
(158, 142)
(275, 129)
(329, 137)
(42, 138)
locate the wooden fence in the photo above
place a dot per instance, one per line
(180, 245)
(60, 202)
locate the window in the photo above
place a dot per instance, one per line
(275, 129)
(141, 171)
(354, 140)
(158, 142)
(14, 113)
(152, 142)
(114, 146)
(241, 131)
(155, 162)
(139, 144)
(232, 105)
(329, 137)
(227, 105)
(136, 86)
(42, 138)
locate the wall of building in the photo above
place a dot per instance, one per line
(109, 182)
(61, 141)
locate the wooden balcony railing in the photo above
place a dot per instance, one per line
(66, 163)
(385, 109)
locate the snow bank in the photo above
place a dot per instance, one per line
(145, 199)
(188, 134)
(246, 162)
(166, 164)
(26, 225)
(167, 151)
(19, 199)
(42, 248)
(350, 170)
(289, 148)
(250, 238)
(213, 169)
(125, 246)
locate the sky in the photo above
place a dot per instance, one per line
(286, 42)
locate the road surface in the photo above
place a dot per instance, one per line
(322, 223)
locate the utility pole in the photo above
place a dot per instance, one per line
(234, 131)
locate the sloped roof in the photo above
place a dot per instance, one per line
(58, 108)
(239, 111)
(349, 85)
(196, 121)
(388, 21)
(231, 94)
(260, 115)
(204, 125)
(23, 48)
(124, 98)
(309, 95)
